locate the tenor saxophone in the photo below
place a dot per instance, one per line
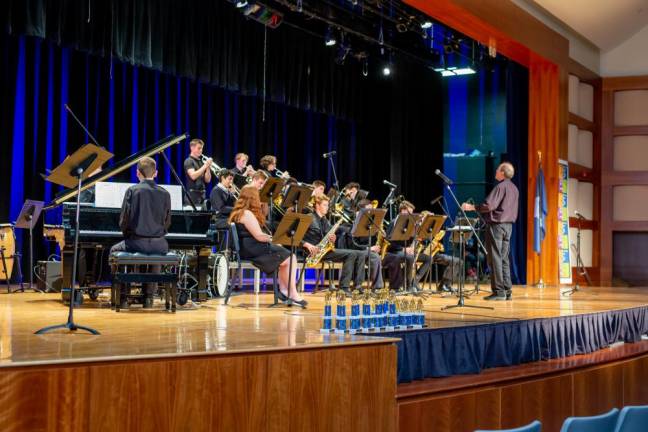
(325, 246)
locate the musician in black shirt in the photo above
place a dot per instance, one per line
(198, 173)
(145, 219)
(241, 167)
(360, 244)
(221, 198)
(268, 163)
(353, 261)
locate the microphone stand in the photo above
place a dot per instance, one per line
(389, 201)
(336, 183)
(461, 302)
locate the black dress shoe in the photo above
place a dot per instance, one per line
(509, 296)
(346, 290)
(281, 296)
(148, 303)
(303, 303)
(495, 297)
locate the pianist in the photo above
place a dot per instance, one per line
(221, 198)
(144, 221)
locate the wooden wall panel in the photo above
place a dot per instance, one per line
(453, 413)
(315, 390)
(548, 400)
(635, 379)
(598, 391)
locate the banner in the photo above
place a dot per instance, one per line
(564, 268)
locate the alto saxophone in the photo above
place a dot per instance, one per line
(324, 246)
(382, 243)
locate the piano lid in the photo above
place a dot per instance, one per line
(120, 166)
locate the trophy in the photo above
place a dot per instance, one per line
(354, 320)
(340, 318)
(366, 311)
(327, 318)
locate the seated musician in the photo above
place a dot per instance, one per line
(353, 261)
(318, 188)
(198, 173)
(259, 179)
(453, 265)
(221, 198)
(144, 221)
(349, 208)
(399, 252)
(360, 244)
(269, 164)
(241, 166)
(256, 245)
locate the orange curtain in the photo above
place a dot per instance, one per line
(544, 86)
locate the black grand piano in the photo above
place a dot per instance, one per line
(99, 227)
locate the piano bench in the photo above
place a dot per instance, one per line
(125, 274)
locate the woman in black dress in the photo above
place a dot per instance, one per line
(256, 246)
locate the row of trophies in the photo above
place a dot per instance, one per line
(381, 312)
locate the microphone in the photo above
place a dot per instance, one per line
(444, 177)
(390, 184)
(436, 200)
(578, 215)
(329, 154)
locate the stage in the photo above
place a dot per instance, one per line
(244, 357)
(249, 325)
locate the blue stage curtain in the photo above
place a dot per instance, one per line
(444, 352)
(517, 133)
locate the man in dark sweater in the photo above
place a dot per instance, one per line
(500, 210)
(221, 198)
(145, 219)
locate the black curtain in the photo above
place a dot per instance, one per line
(517, 137)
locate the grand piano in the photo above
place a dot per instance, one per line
(99, 226)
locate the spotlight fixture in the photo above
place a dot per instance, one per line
(451, 45)
(329, 39)
(387, 70)
(426, 25)
(241, 4)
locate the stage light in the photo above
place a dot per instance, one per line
(454, 71)
(446, 73)
(386, 70)
(329, 39)
(426, 24)
(241, 3)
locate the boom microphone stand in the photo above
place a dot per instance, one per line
(580, 267)
(462, 274)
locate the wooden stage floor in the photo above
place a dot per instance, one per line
(247, 325)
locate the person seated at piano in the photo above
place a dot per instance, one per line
(269, 164)
(145, 219)
(399, 252)
(352, 260)
(198, 171)
(221, 199)
(360, 244)
(241, 166)
(256, 244)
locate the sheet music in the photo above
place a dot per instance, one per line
(110, 194)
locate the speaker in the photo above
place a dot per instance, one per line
(49, 276)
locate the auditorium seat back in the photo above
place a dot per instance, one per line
(535, 426)
(632, 419)
(599, 423)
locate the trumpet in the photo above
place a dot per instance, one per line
(214, 167)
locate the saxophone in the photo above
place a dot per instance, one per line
(382, 243)
(324, 246)
(436, 246)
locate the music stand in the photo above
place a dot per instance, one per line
(27, 219)
(367, 224)
(74, 169)
(428, 229)
(403, 231)
(290, 233)
(271, 189)
(297, 197)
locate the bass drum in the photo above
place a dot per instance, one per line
(220, 271)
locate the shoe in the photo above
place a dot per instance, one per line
(148, 303)
(124, 304)
(281, 296)
(346, 290)
(303, 303)
(443, 288)
(509, 296)
(495, 297)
